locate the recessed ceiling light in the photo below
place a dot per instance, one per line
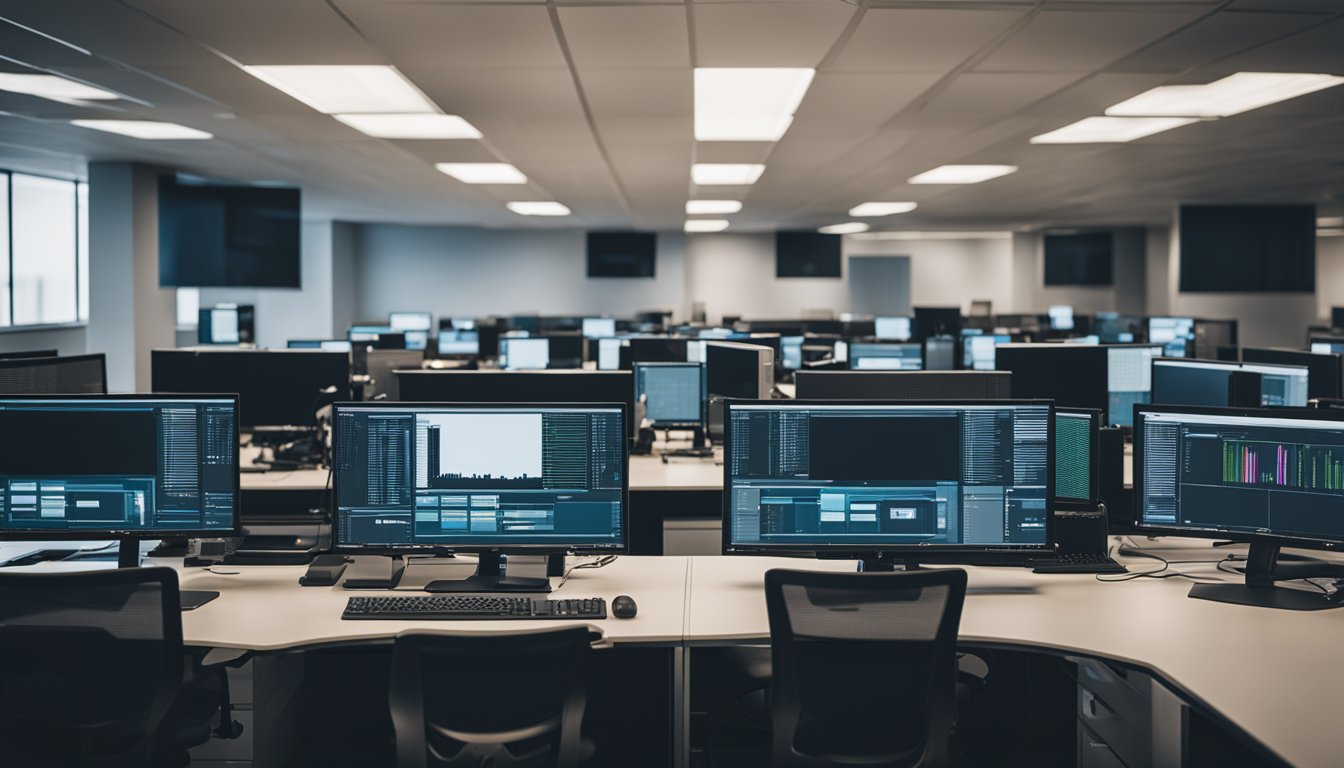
(747, 103)
(848, 228)
(411, 126)
(51, 87)
(1231, 95)
(962, 174)
(344, 89)
(698, 207)
(706, 174)
(1330, 221)
(143, 129)
(706, 225)
(1103, 130)
(538, 208)
(483, 173)
(1330, 233)
(881, 209)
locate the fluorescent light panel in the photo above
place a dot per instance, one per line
(712, 207)
(1231, 95)
(411, 126)
(706, 225)
(1329, 221)
(747, 103)
(538, 208)
(483, 173)
(707, 174)
(342, 89)
(1111, 130)
(848, 228)
(881, 209)
(143, 129)
(51, 87)
(962, 174)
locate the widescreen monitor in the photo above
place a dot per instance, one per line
(276, 388)
(1173, 333)
(1272, 477)
(892, 328)
(121, 466)
(1325, 371)
(1108, 378)
(410, 321)
(524, 354)
(903, 385)
(72, 375)
(673, 394)
(914, 481)
(1221, 383)
(978, 350)
(870, 356)
(1061, 317)
(599, 327)
(518, 477)
(453, 342)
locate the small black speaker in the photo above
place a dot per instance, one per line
(1081, 533)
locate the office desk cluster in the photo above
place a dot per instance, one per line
(1263, 674)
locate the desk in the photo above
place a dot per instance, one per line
(1271, 674)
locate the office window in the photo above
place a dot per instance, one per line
(44, 229)
(4, 250)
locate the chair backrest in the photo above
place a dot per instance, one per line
(864, 666)
(90, 663)
(499, 700)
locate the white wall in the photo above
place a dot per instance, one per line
(479, 272)
(66, 341)
(288, 313)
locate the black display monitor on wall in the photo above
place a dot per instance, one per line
(1083, 258)
(228, 236)
(1248, 248)
(806, 254)
(622, 254)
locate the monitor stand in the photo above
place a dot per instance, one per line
(488, 578)
(128, 556)
(1262, 570)
(876, 562)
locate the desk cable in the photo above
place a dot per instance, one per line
(601, 562)
(1162, 572)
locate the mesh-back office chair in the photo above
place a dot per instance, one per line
(865, 666)
(92, 671)
(511, 701)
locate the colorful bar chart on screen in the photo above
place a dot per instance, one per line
(1286, 465)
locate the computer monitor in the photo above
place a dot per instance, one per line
(1173, 333)
(530, 478)
(277, 388)
(22, 355)
(935, 321)
(673, 394)
(903, 385)
(599, 327)
(563, 386)
(226, 324)
(566, 350)
(1327, 344)
(892, 328)
(736, 370)
(885, 356)
(940, 353)
(1077, 456)
(1108, 378)
(657, 349)
(609, 354)
(368, 332)
(791, 352)
(1272, 477)
(1337, 317)
(124, 467)
(1061, 317)
(72, 375)
(417, 341)
(978, 351)
(454, 342)
(1224, 383)
(1114, 328)
(524, 354)
(410, 321)
(329, 345)
(1325, 371)
(885, 481)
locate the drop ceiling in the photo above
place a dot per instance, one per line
(592, 100)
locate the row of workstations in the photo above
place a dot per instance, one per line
(486, 497)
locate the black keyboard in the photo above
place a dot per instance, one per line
(1089, 562)
(479, 607)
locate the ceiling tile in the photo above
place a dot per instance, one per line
(1069, 41)
(450, 35)
(636, 36)
(914, 40)
(1214, 37)
(767, 34)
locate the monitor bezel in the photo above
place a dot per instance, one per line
(621, 547)
(1094, 437)
(1278, 413)
(704, 394)
(9, 534)
(921, 552)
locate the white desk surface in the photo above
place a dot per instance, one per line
(647, 473)
(1275, 674)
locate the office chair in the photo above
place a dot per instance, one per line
(864, 667)
(505, 701)
(93, 672)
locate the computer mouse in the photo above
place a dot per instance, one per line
(623, 607)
